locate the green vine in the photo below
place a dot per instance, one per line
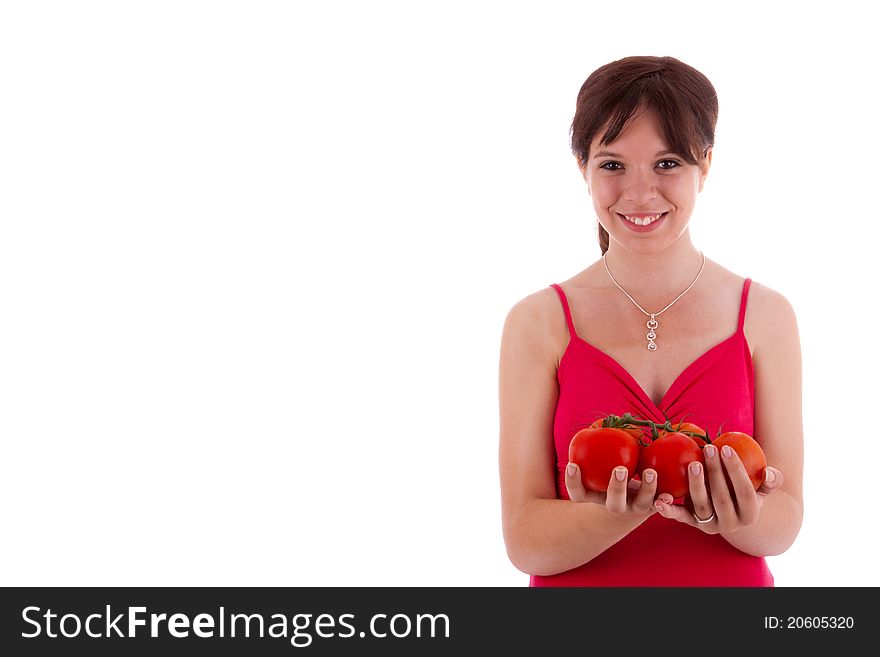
(627, 421)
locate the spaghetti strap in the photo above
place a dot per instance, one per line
(742, 305)
(567, 310)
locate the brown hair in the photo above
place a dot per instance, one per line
(683, 99)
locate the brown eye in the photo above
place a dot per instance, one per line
(674, 164)
(604, 165)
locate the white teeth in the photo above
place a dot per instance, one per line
(643, 222)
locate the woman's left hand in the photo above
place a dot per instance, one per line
(727, 508)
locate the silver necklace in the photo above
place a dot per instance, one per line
(652, 322)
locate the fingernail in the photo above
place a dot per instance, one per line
(620, 473)
(709, 451)
(769, 476)
(695, 468)
(649, 477)
(571, 469)
(726, 451)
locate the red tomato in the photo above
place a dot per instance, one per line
(597, 451)
(669, 456)
(749, 452)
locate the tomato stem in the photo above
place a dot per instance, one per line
(627, 420)
(694, 434)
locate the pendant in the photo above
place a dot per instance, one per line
(652, 324)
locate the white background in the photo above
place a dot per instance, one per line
(255, 258)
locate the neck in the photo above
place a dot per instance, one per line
(653, 275)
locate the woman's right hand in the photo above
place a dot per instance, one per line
(632, 497)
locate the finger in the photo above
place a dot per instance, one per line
(643, 502)
(615, 500)
(699, 494)
(725, 509)
(573, 483)
(772, 481)
(746, 498)
(674, 511)
(575, 487)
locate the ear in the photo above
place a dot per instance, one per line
(704, 168)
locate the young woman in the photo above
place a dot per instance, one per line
(655, 329)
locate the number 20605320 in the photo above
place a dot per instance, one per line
(809, 622)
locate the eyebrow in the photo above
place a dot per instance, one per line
(610, 154)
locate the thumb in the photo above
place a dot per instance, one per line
(575, 487)
(772, 480)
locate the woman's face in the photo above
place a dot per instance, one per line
(636, 177)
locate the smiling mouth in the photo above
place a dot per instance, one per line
(642, 219)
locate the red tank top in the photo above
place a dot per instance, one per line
(718, 387)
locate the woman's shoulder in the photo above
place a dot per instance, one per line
(768, 307)
(537, 309)
(546, 305)
(767, 298)
(771, 320)
(538, 320)
(763, 301)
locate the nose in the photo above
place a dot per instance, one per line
(640, 187)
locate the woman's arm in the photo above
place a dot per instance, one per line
(778, 425)
(543, 535)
